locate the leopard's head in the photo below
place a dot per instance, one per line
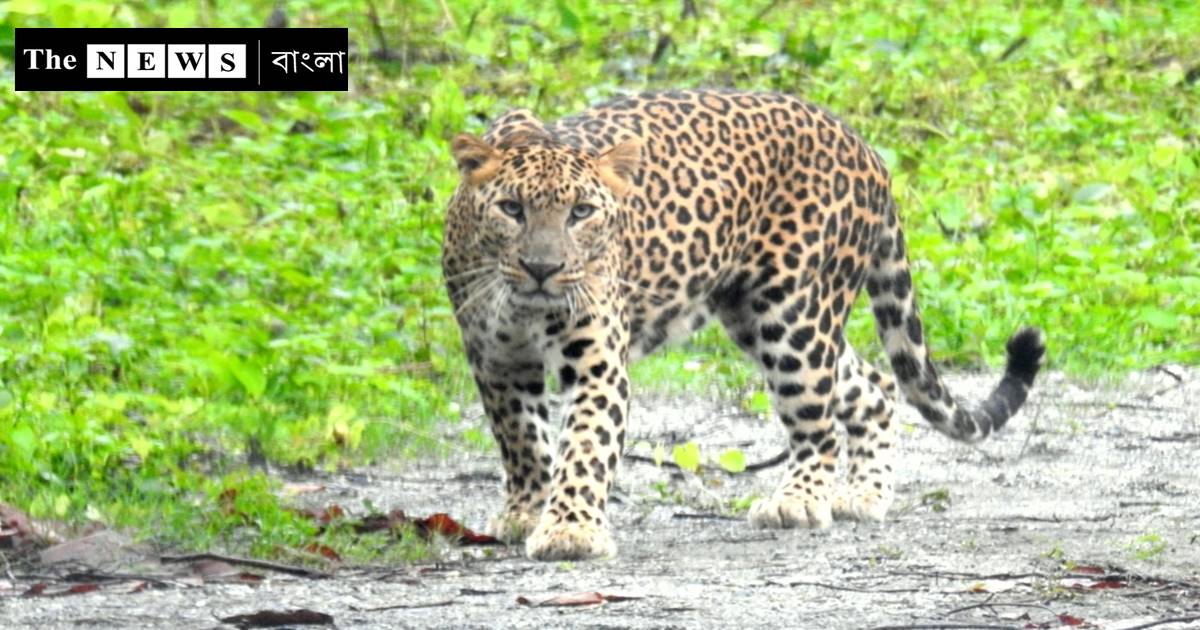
(545, 217)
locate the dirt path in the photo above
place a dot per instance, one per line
(1090, 477)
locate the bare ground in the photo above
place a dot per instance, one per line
(1084, 511)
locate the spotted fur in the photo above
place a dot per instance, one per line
(574, 247)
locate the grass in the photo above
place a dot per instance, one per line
(190, 281)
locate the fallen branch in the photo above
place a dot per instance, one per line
(7, 567)
(1099, 518)
(438, 604)
(1111, 406)
(1165, 621)
(703, 517)
(943, 627)
(249, 562)
(957, 575)
(1178, 436)
(1151, 591)
(852, 589)
(1115, 575)
(98, 576)
(991, 604)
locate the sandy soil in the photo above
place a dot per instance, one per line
(1086, 509)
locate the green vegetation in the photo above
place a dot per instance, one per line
(1147, 546)
(191, 282)
(937, 500)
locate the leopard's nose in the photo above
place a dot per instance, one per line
(540, 271)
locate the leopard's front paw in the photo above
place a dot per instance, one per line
(512, 525)
(862, 504)
(558, 539)
(787, 509)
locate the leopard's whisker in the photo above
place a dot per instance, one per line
(584, 300)
(487, 289)
(500, 297)
(593, 302)
(472, 286)
(470, 272)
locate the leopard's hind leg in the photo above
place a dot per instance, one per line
(864, 405)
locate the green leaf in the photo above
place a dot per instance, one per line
(140, 445)
(27, 7)
(569, 20)
(733, 460)
(953, 213)
(247, 119)
(250, 375)
(812, 54)
(758, 402)
(687, 456)
(447, 108)
(7, 41)
(757, 49)
(224, 214)
(23, 441)
(890, 159)
(62, 503)
(1158, 318)
(1092, 193)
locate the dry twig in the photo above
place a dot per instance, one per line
(438, 604)
(249, 562)
(1165, 621)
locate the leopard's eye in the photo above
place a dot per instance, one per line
(512, 208)
(582, 211)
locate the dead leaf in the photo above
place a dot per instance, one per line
(246, 577)
(1080, 584)
(381, 522)
(16, 530)
(324, 551)
(322, 516)
(35, 590)
(227, 498)
(584, 598)
(443, 525)
(277, 618)
(41, 589)
(1068, 620)
(1088, 569)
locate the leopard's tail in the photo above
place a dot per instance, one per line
(890, 288)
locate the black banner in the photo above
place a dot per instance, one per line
(182, 59)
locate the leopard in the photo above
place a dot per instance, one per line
(572, 248)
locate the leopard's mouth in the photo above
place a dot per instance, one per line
(538, 298)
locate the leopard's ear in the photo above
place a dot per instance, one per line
(619, 164)
(477, 160)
